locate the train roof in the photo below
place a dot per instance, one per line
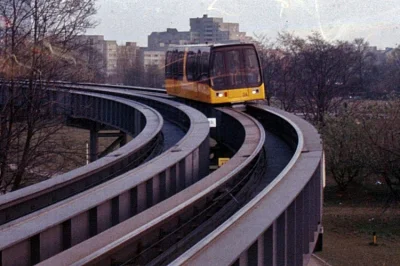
(208, 45)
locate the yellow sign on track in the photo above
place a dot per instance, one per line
(222, 161)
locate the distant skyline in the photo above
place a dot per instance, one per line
(375, 21)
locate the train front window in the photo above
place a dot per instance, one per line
(234, 68)
(234, 72)
(252, 71)
(218, 71)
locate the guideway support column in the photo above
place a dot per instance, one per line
(94, 142)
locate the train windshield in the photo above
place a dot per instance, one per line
(234, 68)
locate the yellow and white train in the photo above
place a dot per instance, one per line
(215, 74)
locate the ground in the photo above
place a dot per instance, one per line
(349, 220)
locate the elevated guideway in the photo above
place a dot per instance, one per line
(241, 214)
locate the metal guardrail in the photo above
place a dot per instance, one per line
(125, 87)
(143, 235)
(281, 224)
(140, 121)
(47, 232)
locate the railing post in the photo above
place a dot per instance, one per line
(94, 142)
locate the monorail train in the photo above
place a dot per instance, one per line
(215, 74)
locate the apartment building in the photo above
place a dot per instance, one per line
(214, 30)
(91, 48)
(154, 58)
(111, 57)
(158, 40)
(202, 30)
(128, 54)
(108, 56)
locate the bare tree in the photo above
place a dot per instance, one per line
(277, 63)
(272, 67)
(363, 75)
(321, 71)
(90, 64)
(37, 45)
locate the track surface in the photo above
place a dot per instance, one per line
(172, 134)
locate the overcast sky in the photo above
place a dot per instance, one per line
(377, 21)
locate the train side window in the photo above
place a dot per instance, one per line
(198, 65)
(180, 65)
(191, 66)
(204, 63)
(168, 65)
(174, 64)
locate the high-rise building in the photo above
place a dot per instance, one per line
(171, 36)
(208, 29)
(107, 55)
(214, 30)
(202, 30)
(128, 54)
(96, 42)
(153, 58)
(91, 49)
(111, 57)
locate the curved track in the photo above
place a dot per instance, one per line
(176, 211)
(142, 232)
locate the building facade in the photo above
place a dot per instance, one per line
(92, 43)
(202, 30)
(128, 54)
(158, 40)
(116, 57)
(111, 57)
(214, 30)
(153, 58)
(208, 29)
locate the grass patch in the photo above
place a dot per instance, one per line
(349, 220)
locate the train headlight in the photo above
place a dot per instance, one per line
(220, 94)
(255, 91)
